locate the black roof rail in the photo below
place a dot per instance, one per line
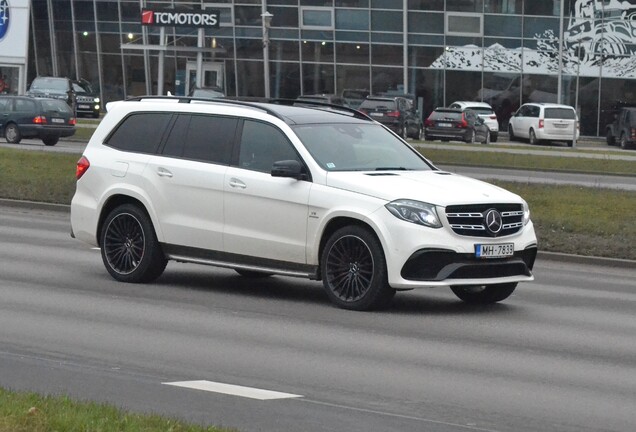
(319, 104)
(252, 103)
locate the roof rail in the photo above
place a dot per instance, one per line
(252, 103)
(319, 104)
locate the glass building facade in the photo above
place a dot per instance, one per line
(505, 52)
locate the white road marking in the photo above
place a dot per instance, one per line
(234, 390)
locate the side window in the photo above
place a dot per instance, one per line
(4, 104)
(210, 138)
(262, 145)
(140, 133)
(24, 105)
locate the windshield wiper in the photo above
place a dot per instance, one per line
(392, 169)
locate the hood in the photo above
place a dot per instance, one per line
(434, 187)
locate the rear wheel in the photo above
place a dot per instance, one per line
(130, 249)
(404, 132)
(484, 294)
(353, 269)
(487, 138)
(50, 141)
(624, 141)
(532, 137)
(12, 133)
(471, 137)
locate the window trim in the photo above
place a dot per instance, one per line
(301, 16)
(450, 15)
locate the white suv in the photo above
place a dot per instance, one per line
(315, 192)
(485, 112)
(544, 122)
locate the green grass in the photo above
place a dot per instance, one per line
(29, 412)
(604, 165)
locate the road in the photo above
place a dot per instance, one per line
(556, 356)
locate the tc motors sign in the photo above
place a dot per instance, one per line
(181, 17)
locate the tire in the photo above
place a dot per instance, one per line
(418, 134)
(511, 133)
(353, 270)
(484, 294)
(487, 139)
(532, 137)
(494, 137)
(12, 134)
(50, 141)
(129, 245)
(252, 274)
(610, 138)
(404, 132)
(623, 141)
(570, 143)
(471, 137)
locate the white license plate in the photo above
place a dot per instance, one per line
(499, 250)
(375, 114)
(57, 120)
(84, 106)
(444, 125)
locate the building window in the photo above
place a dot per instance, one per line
(464, 24)
(314, 18)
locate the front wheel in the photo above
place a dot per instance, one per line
(130, 249)
(353, 269)
(623, 141)
(511, 133)
(484, 294)
(12, 134)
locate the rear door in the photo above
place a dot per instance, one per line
(559, 122)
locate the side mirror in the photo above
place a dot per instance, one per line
(289, 169)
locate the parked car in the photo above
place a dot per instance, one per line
(322, 98)
(538, 122)
(622, 130)
(282, 189)
(448, 124)
(485, 112)
(396, 113)
(88, 102)
(30, 117)
(354, 97)
(56, 88)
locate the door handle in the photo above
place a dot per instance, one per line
(162, 172)
(236, 183)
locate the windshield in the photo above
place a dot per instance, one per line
(49, 84)
(358, 147)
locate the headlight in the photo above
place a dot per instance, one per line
(526, 213)
(416, 212)
(96, 100)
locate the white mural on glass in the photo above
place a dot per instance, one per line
(598, 34)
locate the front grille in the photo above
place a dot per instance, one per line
(85, 99)
(469, 220)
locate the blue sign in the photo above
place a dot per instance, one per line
(4, 18)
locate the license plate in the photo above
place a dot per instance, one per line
(57, 120)
(444, 125)
(499, 250)
(375, 114)
(84, 106)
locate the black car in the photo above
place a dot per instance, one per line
(88, 102)
(622, 131)
(396, 113)
(455, 124)
(30, 117)
(56, 88)
(322, 98)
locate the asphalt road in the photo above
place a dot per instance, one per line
(556, 356)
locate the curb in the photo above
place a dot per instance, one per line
(547, 256)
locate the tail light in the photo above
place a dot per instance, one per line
(39, 120)
(493, 117)
(463, 124)
(541, 121)
(82, 166)
(393, 114)
(634, 133)
(429, 123)
(72, 121)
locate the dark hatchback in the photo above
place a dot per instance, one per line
(448, 124)
(396, 113)
(55, 88)
(30, 117)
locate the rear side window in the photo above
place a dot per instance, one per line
(140, 133)
(560, 113)
(24, 105)
(202, 137)
(4, 104)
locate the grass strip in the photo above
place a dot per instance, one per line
(29, 412)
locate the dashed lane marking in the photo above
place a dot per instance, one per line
(234, 390)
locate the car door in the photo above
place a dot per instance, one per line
(265, 216)
(5, 109)
(185, 181)
(521, 122)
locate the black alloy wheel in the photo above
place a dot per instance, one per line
(353, 269)
(484, 294)
(130, 249)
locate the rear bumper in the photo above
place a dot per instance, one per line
(40, 131)
(446, 133)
